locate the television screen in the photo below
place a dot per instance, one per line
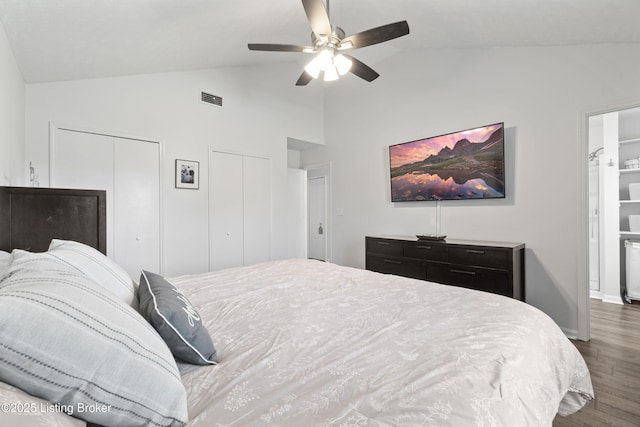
(462, 165)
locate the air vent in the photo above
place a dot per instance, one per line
(211, 99)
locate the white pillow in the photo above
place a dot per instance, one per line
(68, 341)
(98, 267)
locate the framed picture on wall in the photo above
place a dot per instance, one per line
(187, 174)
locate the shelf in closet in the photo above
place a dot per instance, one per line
(634, 170)
(629, 141)
(630, 202)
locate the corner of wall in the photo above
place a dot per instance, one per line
(12, 116)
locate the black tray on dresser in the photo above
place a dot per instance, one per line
(496, 267)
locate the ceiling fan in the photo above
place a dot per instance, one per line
(329, 42)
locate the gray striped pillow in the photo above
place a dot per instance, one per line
(68, 341)
(98, 267)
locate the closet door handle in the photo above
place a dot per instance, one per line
(428, 248)
(392, 261)
(384, 243)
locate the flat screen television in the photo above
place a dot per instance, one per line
(462, 165)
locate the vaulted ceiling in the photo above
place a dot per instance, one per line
(75, 39)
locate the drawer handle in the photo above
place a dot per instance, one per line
(425, 247)
(475, 251)
(392, 261)
(384, 243)
(468, 273)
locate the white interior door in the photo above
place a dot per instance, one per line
(610, 215)
(136, 205)
(225, 211)
(257, 209)
(239, 210)
(594, 226)
(129, 170)
(85, 161)
(317, 236)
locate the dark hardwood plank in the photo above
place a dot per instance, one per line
(613, 357)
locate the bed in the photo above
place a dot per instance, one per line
(297, 343)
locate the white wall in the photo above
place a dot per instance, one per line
(293, 159)
(12, 107)
(260, 110)
(541, 93)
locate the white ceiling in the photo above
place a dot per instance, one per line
(75, 39)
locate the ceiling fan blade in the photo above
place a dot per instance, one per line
(317, 16)
(362, 70)
(376, 35)
(304, 79)
(271, 47)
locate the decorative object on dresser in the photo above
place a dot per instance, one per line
(496, 267)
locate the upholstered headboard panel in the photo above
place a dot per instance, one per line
(31, 217)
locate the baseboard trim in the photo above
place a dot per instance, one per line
(572, 334)
(612, 299)
(596, 294)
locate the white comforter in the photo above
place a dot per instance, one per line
(305, 343)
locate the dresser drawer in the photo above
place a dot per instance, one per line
(384, 247)
(425, 251)
(399, 267)
(495, 281)
(479, 256)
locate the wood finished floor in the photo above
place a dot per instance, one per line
(613, 357)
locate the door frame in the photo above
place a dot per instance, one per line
(584, 292)
(324, 170)
(325, 215)
(54, 128)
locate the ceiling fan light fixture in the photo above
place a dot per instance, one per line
(313, 67)
(330, 74)
(342, 63)
(325, 59)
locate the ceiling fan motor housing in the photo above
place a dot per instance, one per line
(330, 40)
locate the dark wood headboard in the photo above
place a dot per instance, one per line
(31, 217)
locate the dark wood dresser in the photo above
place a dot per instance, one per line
(496, 267)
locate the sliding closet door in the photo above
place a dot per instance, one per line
(136, 205)
(239, 210)
(225, 211)
(128, 170)
(85, 161)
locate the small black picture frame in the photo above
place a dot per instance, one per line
(187, 174)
